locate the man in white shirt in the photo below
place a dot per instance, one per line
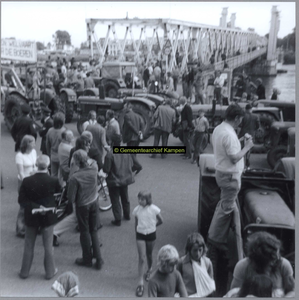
(229, 165)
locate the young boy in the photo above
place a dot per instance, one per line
(166, 281)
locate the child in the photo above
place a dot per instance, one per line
(166, 281)
(201, 125)
(147, 217)
(196, 269)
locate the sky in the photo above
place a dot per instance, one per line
(38, 21)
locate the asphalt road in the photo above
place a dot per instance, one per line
(173, 183)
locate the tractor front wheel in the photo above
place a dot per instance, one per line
(12, 109)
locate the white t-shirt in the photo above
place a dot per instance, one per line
(28, 162)
(147, 217)
(226, 142)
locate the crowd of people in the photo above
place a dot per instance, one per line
(78, 166)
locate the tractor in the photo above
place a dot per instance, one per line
(142, 106)
(266, 202)
(117, 75)
(14, 94)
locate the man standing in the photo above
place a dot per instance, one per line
(47, 124)
(169, 83)
(164, 119)
(88, 81)
(260, 90)
(64, 150)
(23, 125)
(198, 84)
(37, 191)
(175, 76)
(187, 125)
(112, 131)
(82, 191)
(229, 165)
(249, 124)
(132, 129)
(99, 137)
(120, 175)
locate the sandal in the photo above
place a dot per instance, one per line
(139, 291)
(147, 275)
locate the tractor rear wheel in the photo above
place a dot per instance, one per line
(68, 107)
(146, 116)
(12, 109)
(111, 89)
(275, 154)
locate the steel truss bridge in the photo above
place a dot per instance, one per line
(198, 41)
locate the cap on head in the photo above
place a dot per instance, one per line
(25, 108)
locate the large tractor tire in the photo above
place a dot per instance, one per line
(262, 139)
(68, 107)
(12, 109)
(275, 154)
(111, 89)
(146, 116)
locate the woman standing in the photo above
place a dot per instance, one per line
(25, 160)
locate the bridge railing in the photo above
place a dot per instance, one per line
(239, 60)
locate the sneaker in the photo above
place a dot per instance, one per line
(82, 262)
(127, 218)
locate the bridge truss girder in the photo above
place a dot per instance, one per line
(197, 42)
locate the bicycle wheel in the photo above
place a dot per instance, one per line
(104, 198)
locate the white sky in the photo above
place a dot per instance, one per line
(39, 20)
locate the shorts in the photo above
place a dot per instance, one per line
(146, 237)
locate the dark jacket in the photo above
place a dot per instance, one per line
(132, 125)
(119, 169)
(22, 126)
(185, 268)
(37, 190)
(260, 92)
(43, 132)
(186, 115)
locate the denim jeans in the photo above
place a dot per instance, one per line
(197, 141)
(227, 211)
(87, 221)
(158, 133)
(116, 192)
(30, 237)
